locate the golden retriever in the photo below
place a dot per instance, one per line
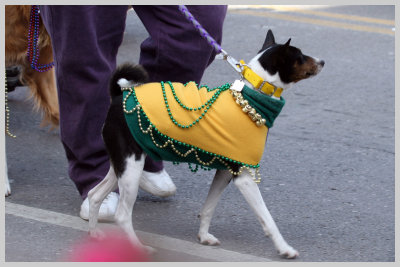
(42, 85)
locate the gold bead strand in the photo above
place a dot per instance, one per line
(246, 108)
(203, 162)
(7, 110)
(156, 144)
(140, 122)
(256, 175)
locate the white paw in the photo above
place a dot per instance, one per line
(208, 239)
(97, 234)
(288, 253)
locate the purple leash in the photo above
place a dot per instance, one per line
(233, 62)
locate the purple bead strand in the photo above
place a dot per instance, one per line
(33, 38)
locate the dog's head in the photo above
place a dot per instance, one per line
(283, 64)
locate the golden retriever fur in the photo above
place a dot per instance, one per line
(42, 85)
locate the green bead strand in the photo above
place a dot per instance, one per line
(206, 105)
(212, 99)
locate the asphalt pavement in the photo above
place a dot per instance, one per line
(328, 173)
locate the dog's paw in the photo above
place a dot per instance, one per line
(97, 234)
(208, 239)
(288, 253)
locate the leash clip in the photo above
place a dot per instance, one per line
(233, 62)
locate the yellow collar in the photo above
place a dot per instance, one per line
(259, 82)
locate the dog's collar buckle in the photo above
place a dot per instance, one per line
(262, 85)
(260, 88)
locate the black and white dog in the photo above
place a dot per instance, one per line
(279, 64)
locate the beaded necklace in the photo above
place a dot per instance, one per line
(33, 38)
(7, 110)
(207, 105)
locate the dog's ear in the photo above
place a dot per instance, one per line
(269, 40)
(288, 42)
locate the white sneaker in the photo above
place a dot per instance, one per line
(157, 183)
(107, 208)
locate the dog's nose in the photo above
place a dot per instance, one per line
(322, 63)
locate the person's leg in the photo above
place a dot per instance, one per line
(85, 44)
(175, 51)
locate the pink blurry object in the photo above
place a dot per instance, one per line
(115, 247)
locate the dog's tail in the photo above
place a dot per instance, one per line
(127, 75)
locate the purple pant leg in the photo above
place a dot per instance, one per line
(85, 44)
(175, 51)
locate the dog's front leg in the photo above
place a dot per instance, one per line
(221, 180)
(252, 194)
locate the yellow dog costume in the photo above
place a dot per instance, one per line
(209, 127)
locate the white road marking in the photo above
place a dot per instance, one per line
(151, 239)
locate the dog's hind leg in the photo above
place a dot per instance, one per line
(96, 197)
(252, 194)
(128, 185)
(221, 180)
